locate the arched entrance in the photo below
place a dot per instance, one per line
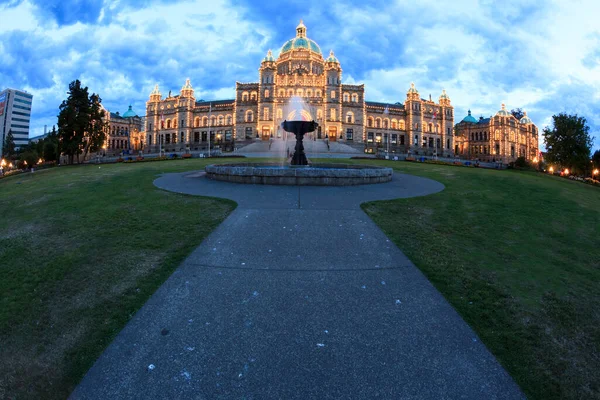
(332, 133)
(266, 133)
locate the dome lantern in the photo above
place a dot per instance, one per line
(301, 30)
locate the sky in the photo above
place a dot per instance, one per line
(542, 56)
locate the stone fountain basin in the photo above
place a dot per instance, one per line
(313, 175)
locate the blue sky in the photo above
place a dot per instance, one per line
(543, 56)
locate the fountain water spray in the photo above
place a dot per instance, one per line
(301, 123)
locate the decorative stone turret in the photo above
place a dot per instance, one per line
(444, 98)
(413, 93)
(187, 90)
(155, 96)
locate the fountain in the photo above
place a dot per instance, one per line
(299, 172)
(299, 128)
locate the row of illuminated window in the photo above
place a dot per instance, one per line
(196, 137)
(495, 150)
(347, 97)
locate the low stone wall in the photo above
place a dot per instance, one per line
(314, 175)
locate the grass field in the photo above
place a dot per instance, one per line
(518, 255)
(82, 248)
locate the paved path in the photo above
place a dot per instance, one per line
(297, 295)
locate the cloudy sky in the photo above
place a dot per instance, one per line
(542, 56)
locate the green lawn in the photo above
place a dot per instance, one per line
(81, 249)
(518, 256)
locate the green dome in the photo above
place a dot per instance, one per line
(301, 43)
(332, 58)
(129, 113)
(503, 112)
(525, 120)
(469, 118)
(269, 57)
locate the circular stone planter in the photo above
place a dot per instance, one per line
(313, 175)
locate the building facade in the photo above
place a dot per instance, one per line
(124, 133)
(300, 75)
(501, 138)
(15, 114)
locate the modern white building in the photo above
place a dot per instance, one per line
(15, 113)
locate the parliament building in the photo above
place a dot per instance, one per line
(300, 73)
(500, 138)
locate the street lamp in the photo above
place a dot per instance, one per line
(594, 173)
(535, 160)
(551, 169)
(566, 171)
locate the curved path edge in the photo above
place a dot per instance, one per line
(297, 295)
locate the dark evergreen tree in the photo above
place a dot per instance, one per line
(96, 131)
(9, 145)
(568, 143)
(596, 159)
(74, 120)
(517, 113)
(50, 151)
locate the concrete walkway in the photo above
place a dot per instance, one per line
(297, 295)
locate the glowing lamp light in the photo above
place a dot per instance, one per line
(3, 162)
(551, 169)
(25, 162)
(40, 161)
(535, 159)
(595, 172)
(567, 171)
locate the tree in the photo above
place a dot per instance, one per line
(596, 159)
(9, 145)
(74, 120)
(49, 151)
(30, 156)
(517, 113)
(568, 143)
(96, 131)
